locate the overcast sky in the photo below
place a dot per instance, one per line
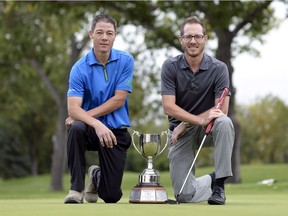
(257, 77)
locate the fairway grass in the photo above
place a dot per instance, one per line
(31, 196)
(237, 205)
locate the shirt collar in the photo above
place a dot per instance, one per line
(203, 65)
(92, 59)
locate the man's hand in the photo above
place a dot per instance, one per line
(180, 129)
(177, 132)
(105, 135)
(68, 122)
(212, 114)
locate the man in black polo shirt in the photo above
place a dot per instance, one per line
(191, 85)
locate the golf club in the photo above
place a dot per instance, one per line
(207, 131)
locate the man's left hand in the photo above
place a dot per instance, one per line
(177, 132)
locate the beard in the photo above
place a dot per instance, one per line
(193, 51)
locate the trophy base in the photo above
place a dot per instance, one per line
(148, 194)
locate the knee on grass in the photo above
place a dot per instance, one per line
(111, 198)
(184, 198)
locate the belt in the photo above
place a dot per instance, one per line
(121, 128)
(171, 127)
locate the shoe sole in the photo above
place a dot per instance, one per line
(91, 197)
(215, 202)
(72, 201)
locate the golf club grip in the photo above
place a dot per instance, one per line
(218, 106)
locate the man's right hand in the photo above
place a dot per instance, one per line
(68, 122)
(212, 114)
(105, 135)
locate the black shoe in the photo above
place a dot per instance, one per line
(217, 197)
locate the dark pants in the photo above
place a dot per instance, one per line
(82, 138)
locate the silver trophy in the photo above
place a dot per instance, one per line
(149, 189)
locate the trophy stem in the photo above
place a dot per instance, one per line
(150, 162)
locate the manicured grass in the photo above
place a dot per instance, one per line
(31, 196)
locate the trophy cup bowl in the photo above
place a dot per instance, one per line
(150, 145)
(149, 188)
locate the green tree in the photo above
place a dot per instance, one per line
(264, 137)
(14, 163)
(38, 50)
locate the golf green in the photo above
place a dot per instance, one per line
(237, 205)
(31, 196)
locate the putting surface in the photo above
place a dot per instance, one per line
(237, 205)
(31, 196)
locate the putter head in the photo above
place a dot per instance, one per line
(170, 201)
(177, 198)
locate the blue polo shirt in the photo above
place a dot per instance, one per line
(97, 83)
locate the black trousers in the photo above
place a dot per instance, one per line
(82, 138)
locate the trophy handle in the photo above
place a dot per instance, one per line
(137, 134)
(162, 133)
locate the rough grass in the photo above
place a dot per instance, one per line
(31, 196)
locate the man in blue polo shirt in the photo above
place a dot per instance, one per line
(97, 99)
(191, 85)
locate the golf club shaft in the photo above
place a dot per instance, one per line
(191, 167)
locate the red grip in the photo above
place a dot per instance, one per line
(218, 106)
